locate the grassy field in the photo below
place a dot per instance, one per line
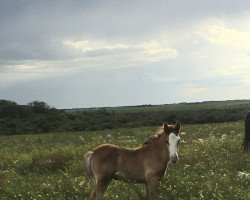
(49, 166)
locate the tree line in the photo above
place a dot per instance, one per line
(39, 117)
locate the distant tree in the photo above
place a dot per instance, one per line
(25, 111)
(8, 108)
(4, 103)
(39, 107)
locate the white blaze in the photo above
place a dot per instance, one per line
(173, 146)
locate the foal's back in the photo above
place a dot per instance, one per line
(107, 160)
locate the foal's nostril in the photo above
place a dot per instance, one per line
(174, 159)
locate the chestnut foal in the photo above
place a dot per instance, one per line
(145, 164)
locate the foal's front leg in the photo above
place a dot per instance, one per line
(152, 183)
(146, 192)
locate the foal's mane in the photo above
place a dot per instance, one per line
(154, 137)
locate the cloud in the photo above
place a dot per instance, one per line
(14, 72)
(245, 80)
(85, 54)
(128, 54)
(223, 48)
(216, 32)
(155, 52)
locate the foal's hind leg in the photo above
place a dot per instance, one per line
(100, 187)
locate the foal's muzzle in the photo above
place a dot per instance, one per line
(174, 158)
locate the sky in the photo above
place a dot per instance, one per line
(98, 53)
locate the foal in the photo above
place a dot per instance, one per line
(145, 164)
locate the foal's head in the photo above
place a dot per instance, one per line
(172, 132)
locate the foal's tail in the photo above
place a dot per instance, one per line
(88, 175)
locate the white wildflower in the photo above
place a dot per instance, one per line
(224, 136)
(211, 137)
(200, 140)
(244, 175)
(81, 138)
(186, 166)
(81, 183)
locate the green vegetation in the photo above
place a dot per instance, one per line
(49, 166)
(38, 117)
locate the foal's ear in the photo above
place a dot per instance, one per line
(177, 126)
(166, 127)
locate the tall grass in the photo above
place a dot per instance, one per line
(49, 166)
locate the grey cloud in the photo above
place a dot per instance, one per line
(109, 19)
(35, 29)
